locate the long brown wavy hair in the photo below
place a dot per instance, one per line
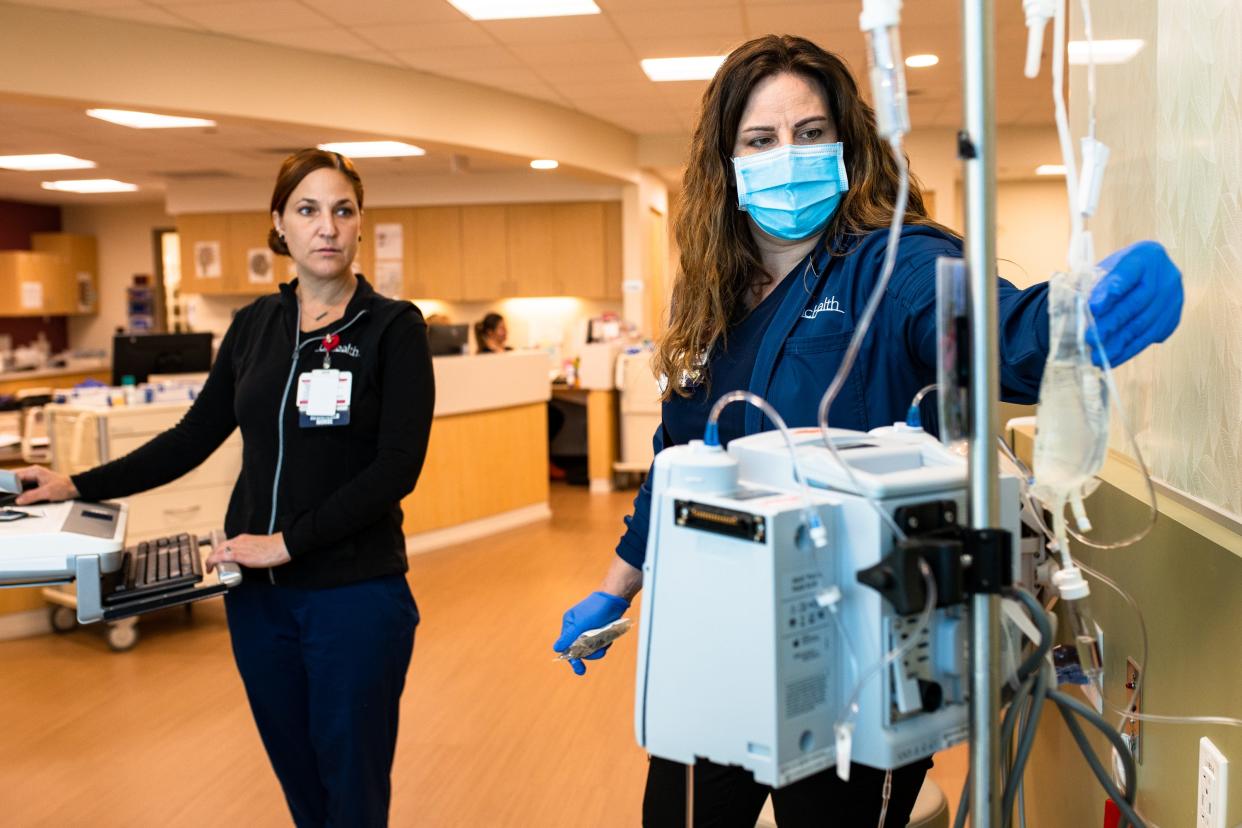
(720, 262)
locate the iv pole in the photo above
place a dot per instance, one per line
(977, 145)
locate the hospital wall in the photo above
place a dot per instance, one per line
(1173, 118)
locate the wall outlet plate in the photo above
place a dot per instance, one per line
(1210, 804)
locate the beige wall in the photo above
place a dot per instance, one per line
(1032, 229)
(1173, 119)
(124, 234)
(1189, 588)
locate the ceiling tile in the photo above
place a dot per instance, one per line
(81, 5)
(626, 71)
(521, 81)
(800, 19)
(385, 12)
(551, 29)
(463, 57)
(610, 6)
(377, 56)
(656, 47)
(407, 37)
(579, 54)
(148, 14)
(724, 21)
(334, 40)
(253, 16)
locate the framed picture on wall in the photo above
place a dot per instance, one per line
(259, 266)
(207, 260)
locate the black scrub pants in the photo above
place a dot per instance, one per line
(729, 797)
(324, 670)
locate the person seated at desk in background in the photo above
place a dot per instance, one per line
(322, 625)
(490, 334)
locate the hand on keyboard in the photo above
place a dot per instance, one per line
(254, 551)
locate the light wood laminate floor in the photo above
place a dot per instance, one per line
(493, 732)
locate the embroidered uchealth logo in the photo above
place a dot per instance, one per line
(826, 306)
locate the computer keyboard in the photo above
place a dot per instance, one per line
(154, 567)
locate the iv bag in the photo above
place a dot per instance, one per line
(1071, 423)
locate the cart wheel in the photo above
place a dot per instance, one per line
(63, 619)
(122, 637)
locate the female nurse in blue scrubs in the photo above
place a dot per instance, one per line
(788, 197)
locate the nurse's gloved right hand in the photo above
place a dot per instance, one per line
(599, 609)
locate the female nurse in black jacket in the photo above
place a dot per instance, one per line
(323, 622)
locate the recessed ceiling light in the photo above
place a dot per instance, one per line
(921, 61)
(374, 149)
(147, 120)
(512, 9)
(90, 185)
(1103, 51)
(682, 68)
(1050, 169)
(49, 161)
(544, 164)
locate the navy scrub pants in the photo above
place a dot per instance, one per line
(729, 797)
(324, 670)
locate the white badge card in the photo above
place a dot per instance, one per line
(323, 397)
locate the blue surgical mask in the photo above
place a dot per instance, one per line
(791, 192)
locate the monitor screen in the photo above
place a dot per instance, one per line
(139, 355)
(447, 340)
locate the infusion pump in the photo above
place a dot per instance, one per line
(753, 639)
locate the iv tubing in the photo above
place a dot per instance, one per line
(860, 330)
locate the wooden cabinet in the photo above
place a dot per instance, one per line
(530, 234)
(371, 261)
(485, 253)
(60, 277)
(250, 266)
(204, 239)
(470, 253)
(81, 257)
(565, 249)
(35, 284)
(435, 265)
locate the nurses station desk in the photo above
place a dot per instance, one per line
(486, 468)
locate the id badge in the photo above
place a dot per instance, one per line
(323, 398)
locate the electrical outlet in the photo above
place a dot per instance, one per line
(1213, 783)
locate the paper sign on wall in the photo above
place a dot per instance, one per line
(207, 260)
(388, 241)
(32, 296)
(388, 279)
(259, 265)
(86, 292)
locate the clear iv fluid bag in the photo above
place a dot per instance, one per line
(1071, 436)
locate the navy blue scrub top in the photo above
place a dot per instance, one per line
(788, 349)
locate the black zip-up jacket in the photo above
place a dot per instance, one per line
(334, 491)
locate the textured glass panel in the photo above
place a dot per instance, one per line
(1173, 118)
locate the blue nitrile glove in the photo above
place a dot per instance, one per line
(1137, 302)
(599, 609)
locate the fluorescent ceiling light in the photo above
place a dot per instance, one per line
(374, 149)
(544, 164)
(49, 161)
(682, 68)
(921, 61)
(512, 9)
(147, 120)
(90, 185)
(1104, 51)
(1050, 169)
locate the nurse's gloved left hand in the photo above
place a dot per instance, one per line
(599, 609)
(1137, 302)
